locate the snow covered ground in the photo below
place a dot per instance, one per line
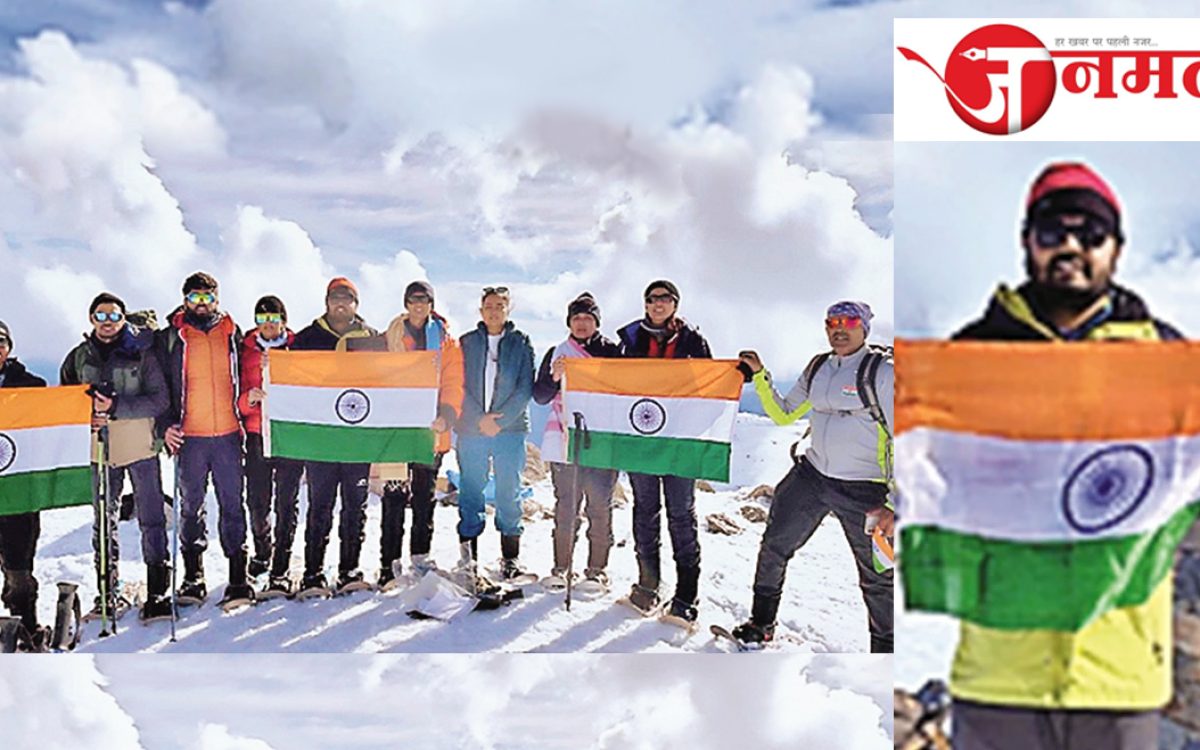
(822, 610)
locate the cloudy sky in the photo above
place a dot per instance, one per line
(526, 702)
(951, 253)
(555, 147)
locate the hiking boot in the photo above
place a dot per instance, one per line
(753, 634)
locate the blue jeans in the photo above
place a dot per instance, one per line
(507, 452)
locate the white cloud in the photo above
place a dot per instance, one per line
(218, 737)
(51, 703)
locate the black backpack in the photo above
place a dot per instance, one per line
(867, 369)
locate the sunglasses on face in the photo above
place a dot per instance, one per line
(1090, 235)
(104, 317)
(664, 297)
(264, 318)
(201, 298)
(5, 343)
(843, 321)
(419, 299)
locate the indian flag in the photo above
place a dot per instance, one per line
(653, 416)
(45, 439)
(1044, 485)
(350, 407)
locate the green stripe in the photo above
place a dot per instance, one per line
(680, 457)
(45, 490)
(318, 442)
(1018, 586)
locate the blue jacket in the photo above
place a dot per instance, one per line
(514, 380)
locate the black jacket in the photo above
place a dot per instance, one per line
(545, 388)
(132, 368)
(16, 376)
(317, 336)
(689, 343)
(999, 324)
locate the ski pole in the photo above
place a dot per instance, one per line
(103, 534)
(174, 544)
(582, 440)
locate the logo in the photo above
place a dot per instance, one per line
(8, 452)
(352, 406)
(1106, 488)
(999, 79)
(850, 389)
(648, 416)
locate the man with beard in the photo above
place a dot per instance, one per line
(199, 353)
(334, 331)
(1007, 687)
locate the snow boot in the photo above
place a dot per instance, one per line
(193, 590)
(237, 592)
(158, 602)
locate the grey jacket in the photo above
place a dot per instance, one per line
(846, 442)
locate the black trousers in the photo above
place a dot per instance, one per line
(417, 492)
(268, 478)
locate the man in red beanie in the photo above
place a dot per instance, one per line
(1101, 688)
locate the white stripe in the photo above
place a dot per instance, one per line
(697, 418)
(44, 448)
(388, 407)
(1031, 490)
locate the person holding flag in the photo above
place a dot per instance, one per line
(420, 328)
(846, 469)
(573, 483)
(333, 331)
(663, 334)
(19, 532)
(1043, 504)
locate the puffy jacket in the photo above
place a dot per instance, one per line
(1120, 661)
(251, 373)
(132, 368)
(14, 375)
(684, 342)
(450, 365)
(846, 441)
(514, 380)
(201, 370)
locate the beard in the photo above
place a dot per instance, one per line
(1048, 294)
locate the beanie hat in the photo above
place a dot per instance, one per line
(419, 287)
(585, 303)
(1073, 187)
(5, 334)
(342, 281)
(859, 310)
(663, 284)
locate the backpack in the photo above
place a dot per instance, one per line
(865, 379)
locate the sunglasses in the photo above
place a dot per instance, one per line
(843, 321)
(264, 318)
(201, 298)
(419, 299)
(500, 290)
(1090, 234)
(104, 317)
(664, 297)
(5, 343)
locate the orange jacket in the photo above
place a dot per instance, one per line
(211, 380)
(450, 389)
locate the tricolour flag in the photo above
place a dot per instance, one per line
(45, 438)
(1043, 486)
(654, 416)
(350, 407)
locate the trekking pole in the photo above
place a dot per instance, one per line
(102, 535)
(583, 439)
(174, 545)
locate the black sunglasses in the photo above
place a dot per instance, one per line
(1053, 233)
(500, 290)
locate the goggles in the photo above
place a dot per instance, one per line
(660, 297)
(265, 318)
(201, 298)
(105, 317)
(843, 321)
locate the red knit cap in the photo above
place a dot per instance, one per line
(1068, 175)
(343, 282)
